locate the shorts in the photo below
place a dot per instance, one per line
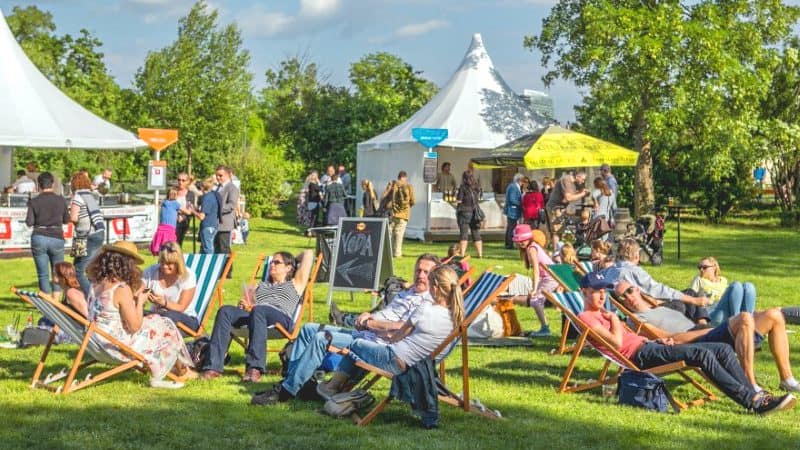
(722, 333)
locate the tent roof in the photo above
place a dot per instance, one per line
(476, 106)
(35, 113)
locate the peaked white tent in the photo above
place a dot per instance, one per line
(480, 112)
(35, 113)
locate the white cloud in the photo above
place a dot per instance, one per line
(319, 8)
(409, 31)
(311, 16)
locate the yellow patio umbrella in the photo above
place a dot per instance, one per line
(555, 148)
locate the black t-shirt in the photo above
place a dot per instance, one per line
(46, 213)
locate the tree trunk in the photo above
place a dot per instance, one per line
(189, 160)
(644, 196)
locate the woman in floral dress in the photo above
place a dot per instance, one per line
(115, 309)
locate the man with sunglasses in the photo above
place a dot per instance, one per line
(229, 194)
(743, 332)
(312, 343)
(717, 360)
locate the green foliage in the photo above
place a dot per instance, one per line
(199, 85)
(263, 171)
(672, 77)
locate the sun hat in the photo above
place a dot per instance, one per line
(126, 248)
(522, 232)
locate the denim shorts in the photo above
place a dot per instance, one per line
(723, 334)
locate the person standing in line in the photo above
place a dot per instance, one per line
(369, 199)
(345, 179)
(513, 208)
(47, 212)
(185, 197)
(209, 214)
(532, 204)
(85, 213)
(609, 178)
(468, 201)
(402, 195)
(334, 201)
(229, 194)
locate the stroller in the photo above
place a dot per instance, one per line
(649, 233)
(597, 228)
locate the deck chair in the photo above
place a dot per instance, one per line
(277, 331)
(571, 304)
(479, 296)
(211, 272)
(568, 278)
(584, 267)
(86, 333)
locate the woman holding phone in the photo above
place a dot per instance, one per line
(170, 287)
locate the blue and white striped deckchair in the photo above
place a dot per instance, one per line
(584, 267)
(482, 293)
(93, 341)
(211, 271)
(571, 304)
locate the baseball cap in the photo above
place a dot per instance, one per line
(596, 280)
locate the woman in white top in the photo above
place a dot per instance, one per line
(427, 328)
(170, 287)
(604, 200)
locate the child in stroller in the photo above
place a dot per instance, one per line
(649, 233)
(588, 231)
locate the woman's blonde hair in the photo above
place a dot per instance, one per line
(446, 280)
(600, 183)
(568, 254)
(369, 189)
(628, 249)
(601, 246)
(172, 194)
(171, 253)
(713, 262)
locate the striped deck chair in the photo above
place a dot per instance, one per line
(479, 296)
(211, 272)
(571, 304)
(584, 267)
(277, 331)
(568, 278)
(86, 333)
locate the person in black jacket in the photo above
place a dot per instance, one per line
(47, 213)
(468, 194)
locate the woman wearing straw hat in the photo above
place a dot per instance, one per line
(116, 305)
(529, 291)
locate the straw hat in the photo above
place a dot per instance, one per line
(126, 248)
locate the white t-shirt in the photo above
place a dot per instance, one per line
(432, 324)
(171, 293)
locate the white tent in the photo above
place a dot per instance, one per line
(480, 112)
(35, 113)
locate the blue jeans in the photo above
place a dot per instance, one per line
(46, 251)
(258, 320)
(378, 355)
(207, 235)
(717, 360)
(739, 297)
(93, 244)
(308, 352)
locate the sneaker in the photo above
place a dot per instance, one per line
(252, 375)
(790, 387)
(767, 404)
(543, 332)
(275, 395)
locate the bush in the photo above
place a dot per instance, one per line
(263, 172)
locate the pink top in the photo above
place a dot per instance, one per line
(544, 260)
(630, 341)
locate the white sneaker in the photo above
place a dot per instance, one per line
(790, 387)
(165, 384)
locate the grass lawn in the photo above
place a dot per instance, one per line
(520, 382)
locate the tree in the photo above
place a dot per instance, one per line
(34, 30)
(686, 76)
(199, 85)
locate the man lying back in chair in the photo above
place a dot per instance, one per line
(717, 360)
(743, 332)
(312, 342)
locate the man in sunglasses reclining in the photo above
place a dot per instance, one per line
(743, 332)
(716, 359)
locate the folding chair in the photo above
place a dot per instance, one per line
(584, 267)
(211, 271)
(87, 334)
(571, 304)
(569, 280)
(479, 296)
(277, 331)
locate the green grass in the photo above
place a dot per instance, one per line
(520, 382)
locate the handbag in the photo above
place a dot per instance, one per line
(346, 403)
(80, 247)
(477, 213)
(643, 390)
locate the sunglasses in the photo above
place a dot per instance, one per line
(170, 247)
(628, 291)
(276, 262)
(183, 180)
(702, 267)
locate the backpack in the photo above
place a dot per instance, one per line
(391, 287)
(346, 403)
(198, 350)
(643, 390)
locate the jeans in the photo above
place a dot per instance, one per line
(178, 317)
(510, 224)
(258, 320)
(309, 350)
(222, 245)
(207, 235)
(717, 360)
(397, 228)
(93, 244)
(691, 312)
(739, 297)
(181, 227)
(378, 355)
(46, 251)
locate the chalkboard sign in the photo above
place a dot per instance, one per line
(430, 162)
(361, 257)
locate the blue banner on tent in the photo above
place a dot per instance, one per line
(429, 137)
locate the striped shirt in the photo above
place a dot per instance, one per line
(281, 296)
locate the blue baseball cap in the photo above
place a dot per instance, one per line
(597, 280)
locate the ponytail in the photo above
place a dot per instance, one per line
(446, 279)
(455, 302)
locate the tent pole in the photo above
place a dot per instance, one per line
(6, 166)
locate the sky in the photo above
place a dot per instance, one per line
(431, 35)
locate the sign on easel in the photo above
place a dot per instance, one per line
(362, 257)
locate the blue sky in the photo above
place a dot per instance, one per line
(432, 35)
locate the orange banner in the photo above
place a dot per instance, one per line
(158, 139)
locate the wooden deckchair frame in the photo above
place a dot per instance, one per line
(215, 297)
(458, 333)
(137, 361)
(307, 303)
(562, 344)
(591, 337)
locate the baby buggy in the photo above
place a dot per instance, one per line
(649, 233)
(597, 228)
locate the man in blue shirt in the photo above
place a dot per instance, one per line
(611, 181)
(513, 208)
